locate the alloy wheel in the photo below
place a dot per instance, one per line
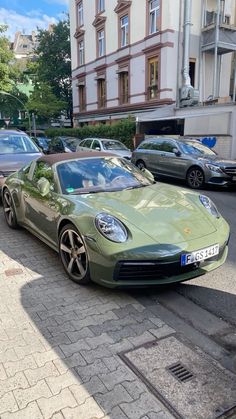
(74, 255)
(195, 178)
(141, 165)
(9, 209)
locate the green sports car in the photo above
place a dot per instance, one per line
(112, 223)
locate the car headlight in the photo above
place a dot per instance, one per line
(209, 205)
(213, 168)
(111, 228)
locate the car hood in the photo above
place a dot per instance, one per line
(166, 214)
(220, 161)
(14, 162)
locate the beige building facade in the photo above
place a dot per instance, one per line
(129, 59)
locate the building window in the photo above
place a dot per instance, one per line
(80, 13)
(100, 6)
(192, 71)
(154, 14)
(82, 99)
(101, 93)
(101, 43)
(124, 31)
(81, 52)
(124, 87)
(152, 78)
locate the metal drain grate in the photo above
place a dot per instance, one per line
(180, 372)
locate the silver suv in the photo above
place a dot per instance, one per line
(184, 159)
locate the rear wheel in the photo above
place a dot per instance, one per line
(140, 164)
(9, 210)
(195, 178)
(73, 254)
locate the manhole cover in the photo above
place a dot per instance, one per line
(188, 384)
(12, 272)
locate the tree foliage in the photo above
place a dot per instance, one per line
(7, 70)
(44, 103)
(54, 62)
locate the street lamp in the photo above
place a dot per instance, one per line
(22, 103)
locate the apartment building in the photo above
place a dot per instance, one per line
(165, 62)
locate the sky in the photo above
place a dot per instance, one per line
(27, 15)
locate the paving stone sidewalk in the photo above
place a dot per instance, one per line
(59, 342)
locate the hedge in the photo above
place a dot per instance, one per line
(123, 131)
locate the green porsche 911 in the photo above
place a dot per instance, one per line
(112, 223)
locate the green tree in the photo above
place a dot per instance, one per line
(54, 62)
(7, 70)
(44, 103)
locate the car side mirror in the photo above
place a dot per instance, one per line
(177, 152)
(148, 174)
(43, 186)
(98, 148)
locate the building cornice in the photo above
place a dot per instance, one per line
(99, 20)
(79, 33)
(122, 6)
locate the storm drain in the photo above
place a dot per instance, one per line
(180, 372)
(188, 383)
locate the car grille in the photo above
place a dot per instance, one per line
(149, 271)
(154, 270)
(230, 171)
(6, 173)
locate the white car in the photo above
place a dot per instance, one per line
(106, 145)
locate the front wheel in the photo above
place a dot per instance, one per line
(9, 210)
(73, 254)
(195, 178)
(140, 164)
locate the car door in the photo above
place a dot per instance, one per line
(41, 212)
(96, 145)
(169, 161)
(154, 156)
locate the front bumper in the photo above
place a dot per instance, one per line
(146, 266)
(219, 179)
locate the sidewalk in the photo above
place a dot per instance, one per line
(59, 342)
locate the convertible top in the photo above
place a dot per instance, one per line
(55, 158)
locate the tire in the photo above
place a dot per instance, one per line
(74, 255)
(9, 210)
(195, 178)
(140, 164)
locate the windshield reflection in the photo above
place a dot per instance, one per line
(93, 175)
(195, 147)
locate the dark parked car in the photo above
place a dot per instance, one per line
(185, 159)
(16, 150)
(106, 145)
(42, 142)
(63, 145)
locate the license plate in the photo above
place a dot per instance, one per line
(234, 178)
(200, 255)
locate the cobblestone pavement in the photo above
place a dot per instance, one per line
(59, 342)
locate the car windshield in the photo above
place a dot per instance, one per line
(16, 144)
(91, 175)
(195, 147)
(113, 145)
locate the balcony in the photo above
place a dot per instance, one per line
(227, 33)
